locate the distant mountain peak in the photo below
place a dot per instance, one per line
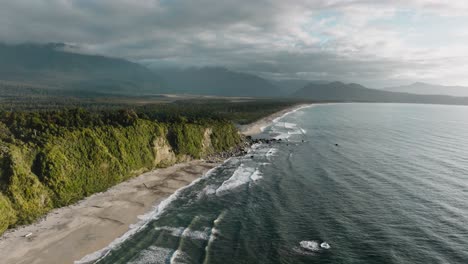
(428, 88)
(425, 84)
(337, 83)
(57, 65)
(353, 92)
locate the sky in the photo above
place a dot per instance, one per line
(375, 43)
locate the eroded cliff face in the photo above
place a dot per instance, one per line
(163, 152)
(34, 179)
(207, 147)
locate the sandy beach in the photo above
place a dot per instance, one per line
(70, 233)
(257, 126)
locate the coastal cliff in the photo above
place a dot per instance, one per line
(48, 166)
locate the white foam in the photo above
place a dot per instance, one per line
(144, 220)
(207, 191)
(179, 257)
(271, 152)
(175, 231)
(286, 125)
(325, 245)
(156, 213)
(292, 111)
(290, 125)
(301, 251)
(198, 235)
(254, 147)
(242, 175)
(310, 245)
(257, 175)
(186, 232)
(152, 255)
(281, 135)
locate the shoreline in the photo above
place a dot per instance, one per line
(68, 234)
(258, 126)
(76, 233)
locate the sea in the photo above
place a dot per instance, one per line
(343, 183)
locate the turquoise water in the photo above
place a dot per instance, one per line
(393, 190)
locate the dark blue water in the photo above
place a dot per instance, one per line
(381, 183)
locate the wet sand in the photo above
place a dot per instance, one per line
(68, 234)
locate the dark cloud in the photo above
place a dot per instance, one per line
(309, 39)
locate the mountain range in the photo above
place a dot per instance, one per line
(216, 81)
(50, 66)
(50, 69)
(338, 91)
(426, 88)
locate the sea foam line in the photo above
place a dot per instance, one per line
(144, 220)
(287, 113)
(286, 135)
(241, 176)
(152, 255)
(293, 111)
(162, 206)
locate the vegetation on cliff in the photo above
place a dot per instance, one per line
(50, 159)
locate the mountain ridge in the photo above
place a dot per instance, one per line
(352, 92)
(49, 65)
(216, 81)
(428, 88)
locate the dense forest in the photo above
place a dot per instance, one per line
(54, 157)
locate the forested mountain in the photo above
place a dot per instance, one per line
(216, 81)
(338, 91)
(426, 88)
(290, 86)
(51, 69)
(51, 66)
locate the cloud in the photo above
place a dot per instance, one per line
(372, 42)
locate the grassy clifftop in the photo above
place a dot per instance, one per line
(50, 160)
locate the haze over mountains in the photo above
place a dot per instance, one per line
(216, 81)
(31, 69)
(52, 69)
(338, 91)
(49, 66)
(426, 88)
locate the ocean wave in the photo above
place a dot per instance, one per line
(207, 191)
(291, 128)
(179, 257)
(290, 125)
(292, 111)
(213, 234)
(185, 232)
(152, 255)
(284, 130)
(257, 175)
(241, 176)
(271, 152)
(144, 220)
